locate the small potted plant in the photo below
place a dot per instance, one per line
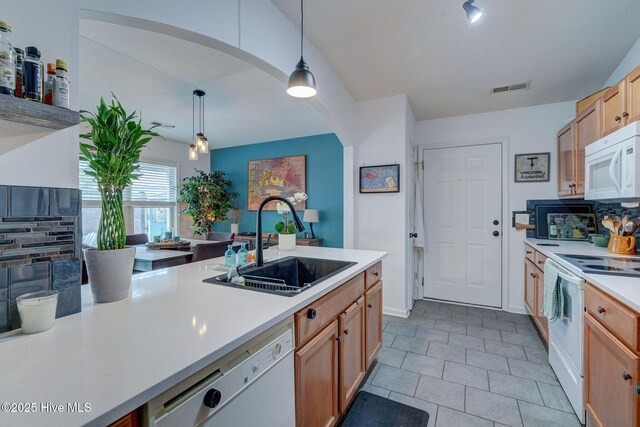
(286, 228)
(208, 198)
(112, 149)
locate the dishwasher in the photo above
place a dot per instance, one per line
(251, 386)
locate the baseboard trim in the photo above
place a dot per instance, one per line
(517, 310)
(395, 312)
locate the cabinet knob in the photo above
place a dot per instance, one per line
(346, 331)
(375, 273)
(529, 252)
(311, 313)
(370, 306)
(339, 339)
(625, 114)
(540, 262)
(637, 389)
(212, 398)
(626, 376)
(601, 310)
(617, 118)
(532, 275)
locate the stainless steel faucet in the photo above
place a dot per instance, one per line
(299, 225)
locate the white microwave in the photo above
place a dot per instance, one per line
(612, 166)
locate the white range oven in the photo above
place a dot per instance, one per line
(612, 166)
(566, 340)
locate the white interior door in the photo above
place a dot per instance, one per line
(462, 210)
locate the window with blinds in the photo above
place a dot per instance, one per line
(155, 183)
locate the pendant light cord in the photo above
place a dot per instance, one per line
(301, 28)
(193, 116)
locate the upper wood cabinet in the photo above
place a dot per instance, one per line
(632, 91)
(566, 161)
(587, 130)
(613, 108)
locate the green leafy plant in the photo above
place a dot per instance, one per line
(208, 197)
(115, 142)
(286, 226)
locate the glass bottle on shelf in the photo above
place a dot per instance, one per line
(553, 228)
(61, 85)
(19, 78)
(229, 257)
(243, 255)
(7, 61)
(33, 72)
(49, 84)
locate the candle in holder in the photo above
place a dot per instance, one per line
(37, 310)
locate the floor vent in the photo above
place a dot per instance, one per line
(511, 88)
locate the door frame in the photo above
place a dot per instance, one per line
(504, 216)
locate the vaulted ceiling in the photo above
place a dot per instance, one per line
(428, 50)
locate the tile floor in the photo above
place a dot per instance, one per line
(469, 366)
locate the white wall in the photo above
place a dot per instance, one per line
(628, 63)
(526, 130)
(381, 219)
(30, 155)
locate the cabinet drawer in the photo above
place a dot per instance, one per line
(373, 274)
(619, 320)
(311, 319)
(530, 253)
(539, 260)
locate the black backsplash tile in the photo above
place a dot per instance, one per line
(28, 202)
(40, 248)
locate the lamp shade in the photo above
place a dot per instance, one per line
(310, 215)
(302, 84)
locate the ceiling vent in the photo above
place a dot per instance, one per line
(162, 125)
(511, 88)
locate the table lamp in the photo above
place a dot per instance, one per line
(310, 216)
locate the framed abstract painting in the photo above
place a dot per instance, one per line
(282, 176)
(380, 179)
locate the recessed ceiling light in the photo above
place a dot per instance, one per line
(473, 13)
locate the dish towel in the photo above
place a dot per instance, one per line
(553, 306)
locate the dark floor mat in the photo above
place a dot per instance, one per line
(371, 410)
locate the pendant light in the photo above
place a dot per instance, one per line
(200, 144)
(302, 84)
(473, 13)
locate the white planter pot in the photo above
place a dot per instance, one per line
(234, 228)
(110, 273)
(286, 242)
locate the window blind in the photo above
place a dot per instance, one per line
(155, 183)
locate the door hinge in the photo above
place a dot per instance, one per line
(413, 235)
(423, 282)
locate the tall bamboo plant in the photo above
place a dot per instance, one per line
(113, 148)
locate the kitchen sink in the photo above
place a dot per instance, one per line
(287, 276)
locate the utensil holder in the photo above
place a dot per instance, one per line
(622, 245)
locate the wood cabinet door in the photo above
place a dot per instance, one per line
(540, 318)
(373, 322)
(632, 83)
(317, 385)
(530, 287)
(352, 353)
(611, 374)
(613, 105)
(587, 130)
(566, 161)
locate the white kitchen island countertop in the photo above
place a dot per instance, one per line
(625, 289)
(117, 356)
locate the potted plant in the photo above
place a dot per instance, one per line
(208, 197)
(235, 212)
(112, 148)
(286, 228)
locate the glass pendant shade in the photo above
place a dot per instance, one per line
(302, 84)
(193, 152)
(202, 143)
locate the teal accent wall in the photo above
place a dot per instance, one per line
(324, 156)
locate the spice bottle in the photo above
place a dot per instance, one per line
(7, 61)
(32, 69)
(49, 84)
(61, 85)
(19, 75)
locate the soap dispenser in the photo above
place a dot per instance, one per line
(229, 257)
(243, 255)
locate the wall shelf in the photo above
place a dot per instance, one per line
(36, 114)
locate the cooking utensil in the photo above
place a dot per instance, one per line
(616, 226)
(608, 224)
(630, 228)
(623, 222)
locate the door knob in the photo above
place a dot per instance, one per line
(496, 222)
(496, 233)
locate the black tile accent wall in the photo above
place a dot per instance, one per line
(40, 248)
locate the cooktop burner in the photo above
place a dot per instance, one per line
(585, 257)
(604, 267)
(593, 264)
